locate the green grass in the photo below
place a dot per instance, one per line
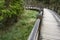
(20, 30)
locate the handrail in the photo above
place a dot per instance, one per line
(34, 31)
(34, 35)
(33, 8)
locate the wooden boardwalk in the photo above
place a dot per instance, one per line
(50, 28)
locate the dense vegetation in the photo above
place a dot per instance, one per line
(10, 11)
(51, 4)
(16, 23)
(20, 30)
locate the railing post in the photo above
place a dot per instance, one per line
(40, 16)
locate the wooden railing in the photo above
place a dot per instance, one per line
(33, 8)
(34, 35)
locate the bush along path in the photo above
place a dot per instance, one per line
(22, 29)
(10, 11)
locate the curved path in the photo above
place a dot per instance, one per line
(50, 28)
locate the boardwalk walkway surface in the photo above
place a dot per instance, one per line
(50, 28)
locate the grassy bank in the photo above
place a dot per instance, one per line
(20, 30)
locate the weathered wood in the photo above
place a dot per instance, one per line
(50, 28)
(34, 31)
(34, 35)
(33, 8)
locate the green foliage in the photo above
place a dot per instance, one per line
(13, 11)
(51, 4)
(22, 29)
(1, 18)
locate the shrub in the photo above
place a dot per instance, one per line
(11, 14)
